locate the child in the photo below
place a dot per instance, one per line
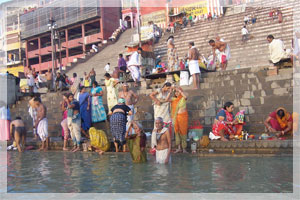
(74, 121)
(159, 67)
(181, 64)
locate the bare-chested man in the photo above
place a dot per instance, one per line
(194, 69)
(131, 99)
(161, 139)
(49, 77)
(18, 133)
(222, 50)
(41, 123)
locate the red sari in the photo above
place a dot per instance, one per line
(228, 129)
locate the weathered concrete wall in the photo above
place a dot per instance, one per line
(8, 89)
(249, 89)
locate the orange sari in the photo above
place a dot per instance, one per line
(180, 120)
(283, 122)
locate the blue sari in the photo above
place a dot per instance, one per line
(98, 111)
(84, 113)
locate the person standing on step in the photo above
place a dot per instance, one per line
(49, 77)
(122, 65)
(64, 122)
(41, 123)
(85, 111)
(131, 99)
(194, 69)
(74, 121)
(221, 50)
(180, 119)
(92, 76)
(98, 111)
(161, 104)
(107, 67)
(134, 65)
(245, 34)
(112, 90)
(172, 54)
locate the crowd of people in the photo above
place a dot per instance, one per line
(170, 114)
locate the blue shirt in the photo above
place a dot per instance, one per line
(76, 107)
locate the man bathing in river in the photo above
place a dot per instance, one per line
(41, 123)
(130, 98)
(18, 133)
(161, 140)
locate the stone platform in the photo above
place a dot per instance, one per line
(218, 147)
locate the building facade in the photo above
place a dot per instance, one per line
(13, 49)
(79, 25)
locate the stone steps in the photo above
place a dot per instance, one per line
(240, 53)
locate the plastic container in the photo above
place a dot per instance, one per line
(193, 146)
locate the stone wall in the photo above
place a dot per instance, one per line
(250, 89)
(8, 89)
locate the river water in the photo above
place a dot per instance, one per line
(85, 172)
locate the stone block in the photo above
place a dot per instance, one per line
(208, 121)
(280, 91)
(211, 112)
(275, 85)
(247, 95)
(245, 102)
(272, 72)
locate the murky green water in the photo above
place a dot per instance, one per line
(65, 172)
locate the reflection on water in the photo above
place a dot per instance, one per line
(115, 173)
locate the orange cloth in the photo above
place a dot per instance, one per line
(180, 120)
(182, 123)
(283, 122)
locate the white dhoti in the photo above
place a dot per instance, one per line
(42, 129)
(161, 156)
(30, 80)
(194, 67)
(131, 117)
(226, 53)
(135, 72)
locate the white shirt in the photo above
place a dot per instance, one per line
(246, 18)
(107, 67)
(276, 50)
(244, 31)
(134, 60)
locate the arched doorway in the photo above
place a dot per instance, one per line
(128, 21)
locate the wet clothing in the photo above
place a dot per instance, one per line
(137, 148)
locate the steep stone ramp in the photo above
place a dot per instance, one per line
(108, 55)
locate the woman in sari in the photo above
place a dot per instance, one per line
(180, 119)
(118, 122)
(85, 111)
(172, 55)
(279, 122)
(112, 90)
(64, 123)
(136, 142)
(161, 106)
(98, 111)
(4, 122)
(75, 86)
(226, 125)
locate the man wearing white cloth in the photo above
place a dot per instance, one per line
(221, 50)
(134, 64)
(194, 65)
(277, 50)
(41, 123)
(161, 140)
